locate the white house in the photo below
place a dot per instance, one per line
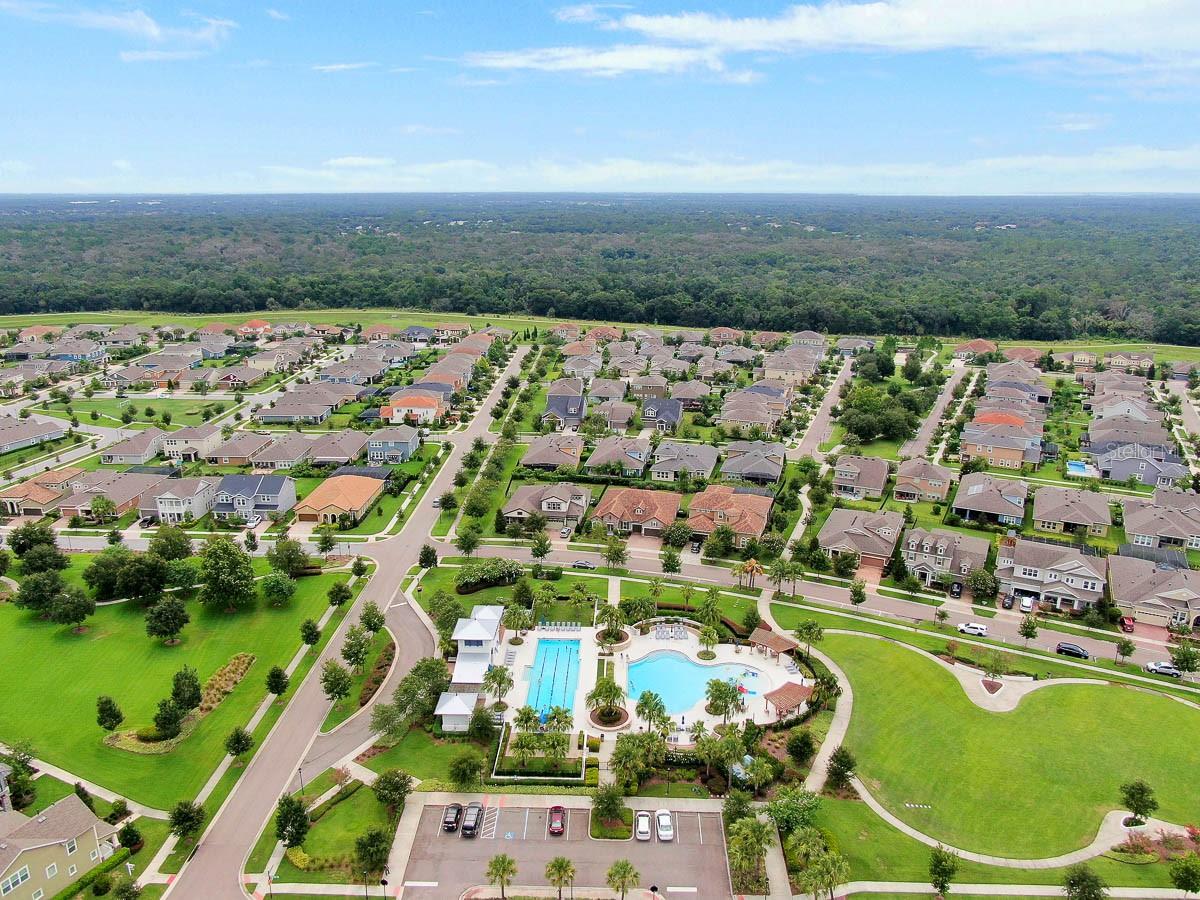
(479, 638)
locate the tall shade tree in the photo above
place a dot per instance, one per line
(227, 575)
(291, 821)
(186, 819)
(166, 619)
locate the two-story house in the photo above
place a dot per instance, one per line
(243, 496)
(561, 504)
(944, 557)
(860, 477)
(44, 855)
(918, 479)
(396, 444)
(1054, 575)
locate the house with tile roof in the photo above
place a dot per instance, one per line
(747, 511)
(637, 511)
(338, 497)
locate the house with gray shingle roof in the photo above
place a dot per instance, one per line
(987, 498)
(673, 457)
(1069, 511)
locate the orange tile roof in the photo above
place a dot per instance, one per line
(344, 492)
(638, 505)
(719, 504)
(998, 418)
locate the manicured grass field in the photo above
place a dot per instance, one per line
(62, 673)
(348, 707)
(108, 411)
(333, 836)
(1046, 773)
(878, 852)
(419, 754)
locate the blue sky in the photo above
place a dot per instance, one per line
(893, 96)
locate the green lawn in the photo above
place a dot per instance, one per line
(878, 852)
(63, 673)
(14, 458)
(108, 411)
(419, 754)
(333, 836)
(732, 608)
(442, 578)
(348, 707)
(1046, 773)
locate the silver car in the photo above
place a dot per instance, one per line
(641, 826)
(664, 824)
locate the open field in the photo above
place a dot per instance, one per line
(114, 656)
(1045, 794)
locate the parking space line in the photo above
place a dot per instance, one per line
(428, 884)
(700, 826)
(680, 890)
(525, 833)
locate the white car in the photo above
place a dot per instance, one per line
(1027, 605)
(664, 824)
(1164, 668)
(976, 628)
(641, 826)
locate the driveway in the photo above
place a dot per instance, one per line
(444, 864)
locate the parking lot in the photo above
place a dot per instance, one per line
(444, 864)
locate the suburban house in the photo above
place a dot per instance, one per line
(673, 457)
(760, 462)
(1183, 371)
(123, 489)
(1171, 519)
(565, 411)
(723, 334)
(1128, 361)
(870, 535)
(919, 479)
(583, 367)
(1054, 575)
(243, 496)
(629, 455)
(860, 477)
(565, 331)
(637, 511)
(416, 407)
(1002, 445)
(986, 498)
(418, 334)
(809, 338)
(238, 450)
(287, 450)
(767, 338)
(747, 511)
(235, 378)
(17, 434)
(561, 504)
(739, 356)
(191, 442)
(578, 348)
(274, 360)
(355, 371)
(396, 444)
(292, 410)
(690, 393)
(649, 387)
(1031, 355)
(33, 333)
(606, 389)
(1107, 434)
(135, 451)
(662, 414)
(338, 497)
(1071, 511)
(44, 855)
(1154, 594)
(450, 332)
(178, 500)
(974, 348)
(552, 451)
(255, 328)
(617, 414)
(40, 495)
(743, 409)
(338, 448)
(603, 333)
(852, 346)
(944, 557)
(1148, 465)
(795, 365)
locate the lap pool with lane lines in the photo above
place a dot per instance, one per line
(554, 675)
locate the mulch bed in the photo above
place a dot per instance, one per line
(992, 687)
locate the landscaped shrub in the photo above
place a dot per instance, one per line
(344, 794)
(102, 884)
(486, 573)
(298, 858)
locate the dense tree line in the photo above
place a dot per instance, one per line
(1123, 267)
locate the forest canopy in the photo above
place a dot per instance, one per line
(1032, 268)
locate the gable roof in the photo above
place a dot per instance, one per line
(344, 492)
(638, 505)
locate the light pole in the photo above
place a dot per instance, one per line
(271, 883)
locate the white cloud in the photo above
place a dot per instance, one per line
(587, 13)
(278, 15)
(122, 165)
(343, 67)
(600, 61)
(1074, 122)
(359, 162)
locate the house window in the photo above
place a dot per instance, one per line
(38, 894)
(71, 870)
(12, 882)
(1027, 572)
(1144, 540)
(95, 855)
(71, 846)
(51, 870)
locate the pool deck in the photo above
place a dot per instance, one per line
(772, 674)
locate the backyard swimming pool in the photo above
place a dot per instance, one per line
(554, 675)
(681, 681)
(1076, 467)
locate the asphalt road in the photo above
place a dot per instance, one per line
(919, 443)
(822, 421)
(215, 871)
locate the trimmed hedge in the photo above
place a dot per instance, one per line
(86, 881)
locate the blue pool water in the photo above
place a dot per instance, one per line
(1078, 467)
(681, 681)
(554, 675)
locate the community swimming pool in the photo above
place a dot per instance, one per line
(554, 675)
(681, 681)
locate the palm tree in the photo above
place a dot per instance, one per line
(698, 730)
(581, 594)
(498, 681)
(738, 570)
(655, 589)
(825, 872)
(759, 772)
(514, 618)
(826, 688)
(720, 697)
(611, 618)
(752, 567)
(622, 876)
(501, 870)
(651, 710)
(810, 632)
(559, 720)
(795, 573)
(778, 573)
(710, 607)
(606, 697)
(560, 872)
(687, 593)
(709, 638)
(748, 840)
(707, 749)
(527, 719)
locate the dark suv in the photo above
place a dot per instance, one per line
(1065, 648)
(472, 819)
(451, 817)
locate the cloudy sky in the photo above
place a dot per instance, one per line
(892, 96)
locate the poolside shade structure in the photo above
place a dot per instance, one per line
(787, 697)
(772, 641)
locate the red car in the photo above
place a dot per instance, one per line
(1126, 624)
(558, 820)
